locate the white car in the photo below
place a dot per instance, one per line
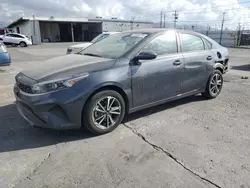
(79, 47)
(16, 39)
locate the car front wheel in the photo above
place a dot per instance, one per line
(214, 85)
(104, 112)
(23, 44)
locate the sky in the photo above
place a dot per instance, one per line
(201, 12)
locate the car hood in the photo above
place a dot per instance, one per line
(82, 45)
(67, 65)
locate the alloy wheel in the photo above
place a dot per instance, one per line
(215, 84)
(106, 112)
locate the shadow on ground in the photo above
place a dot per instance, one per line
(242, 67)
(16, 134)
(156, 109)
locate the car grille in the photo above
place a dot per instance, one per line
(24, 88)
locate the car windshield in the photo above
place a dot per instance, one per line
(99, 37)
(114, 46)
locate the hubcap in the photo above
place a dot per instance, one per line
(215, 84)
(106, 112)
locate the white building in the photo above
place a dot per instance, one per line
(51, 29)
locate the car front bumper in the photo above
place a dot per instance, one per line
(5, 59)
(43, 110)
(29, 43)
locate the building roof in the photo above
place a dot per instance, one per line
(82, 20)
(51, 19)
(119, 20)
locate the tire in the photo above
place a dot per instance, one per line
(14, 45)
(211, 93)
(94, 120)
(23, 44)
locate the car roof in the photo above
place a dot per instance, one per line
(159, 30)
(110, 33)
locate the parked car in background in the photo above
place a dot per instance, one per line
(16, 39)
(120, 74)
(4, 56)
(3, 31)
(79, 47)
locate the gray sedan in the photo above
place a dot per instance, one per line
(118, 75)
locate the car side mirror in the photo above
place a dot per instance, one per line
(146, 55)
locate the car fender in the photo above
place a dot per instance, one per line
(219, 66)
(126, 92)
(106, 84)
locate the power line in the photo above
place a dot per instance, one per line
(221, 11)
(191, 10)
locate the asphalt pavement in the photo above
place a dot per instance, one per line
(187, 143)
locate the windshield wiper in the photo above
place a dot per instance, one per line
(95, 55)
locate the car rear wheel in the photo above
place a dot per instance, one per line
(23, 44)
(214, 85)
(103, 112)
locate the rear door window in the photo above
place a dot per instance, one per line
(191, 43)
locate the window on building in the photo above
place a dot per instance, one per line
(191, 43)
(164, 44)
(17, 29)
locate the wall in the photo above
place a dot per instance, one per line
(24, 27)
(49, 31)
(124, 26)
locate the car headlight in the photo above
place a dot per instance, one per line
(45, 87)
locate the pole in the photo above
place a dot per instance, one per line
(222, 24)
(72, 32)
(132, 23)
(164, 22)
(239, 35)
(161, 20)
(175, 18)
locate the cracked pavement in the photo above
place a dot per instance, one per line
(187, 143)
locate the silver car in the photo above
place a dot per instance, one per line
(79, 47)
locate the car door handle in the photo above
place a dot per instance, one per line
(177, 62)
(209, 57)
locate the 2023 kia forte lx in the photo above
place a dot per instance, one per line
(120, 74)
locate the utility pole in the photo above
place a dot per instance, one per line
(164, 21)
(72, 32)
(132, 23)
(222, 24)
(161, 19)
(207, 29)
(238, 35)
(175, 14)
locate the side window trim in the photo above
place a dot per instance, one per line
(181, 42)
(206, 44)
